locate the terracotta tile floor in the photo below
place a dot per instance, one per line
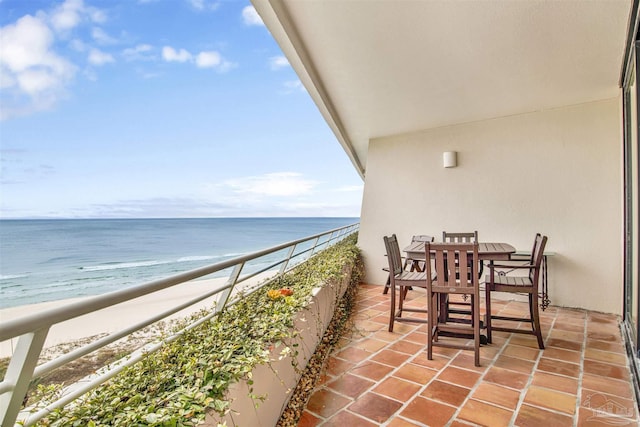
(378, 378)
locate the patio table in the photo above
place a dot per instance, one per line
(486, 251)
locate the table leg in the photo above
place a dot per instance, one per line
(545, 301)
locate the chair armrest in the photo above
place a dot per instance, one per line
(510, 268)
(519, 266)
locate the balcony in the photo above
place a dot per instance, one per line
(374, 377)
(380, 378)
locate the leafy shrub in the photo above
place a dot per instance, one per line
(178, 384)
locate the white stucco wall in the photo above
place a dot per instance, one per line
(557, 172)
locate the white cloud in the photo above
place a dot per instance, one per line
(139, 52)
(205, 59)
(293, 86)
(213, 59)
(78, 45)
(18, 168)
(226, 66)
(277, 62)
(100, 36)
(90, 74)
(33, 74)
(204, 5)
(285, 184)
(169, 54)
(209, 59)
(197, 4)
(70, 14)
(251, 17)
(96, 15)
(36, 81)
(25, 44)
(148, 75)
(67, 15)
(97, 57)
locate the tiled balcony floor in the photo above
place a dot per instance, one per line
(378, 378)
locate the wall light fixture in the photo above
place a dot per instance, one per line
(450, 159)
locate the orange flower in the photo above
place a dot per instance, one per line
(286, 292)
(273, 294)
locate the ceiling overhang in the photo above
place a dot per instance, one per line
(381, 68)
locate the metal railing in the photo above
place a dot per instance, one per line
(32, 330)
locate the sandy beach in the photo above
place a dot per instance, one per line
(118, 317)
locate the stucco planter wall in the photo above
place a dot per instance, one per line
(276, 380)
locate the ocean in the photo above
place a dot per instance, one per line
(49, 260)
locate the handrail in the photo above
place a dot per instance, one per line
(32, 329)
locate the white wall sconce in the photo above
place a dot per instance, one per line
(450, 159)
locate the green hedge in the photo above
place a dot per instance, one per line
(177, 385)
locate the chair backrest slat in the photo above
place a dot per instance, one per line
(463, 266)
(393, 254)
(467, 237)
(422, 238)
(536, 258)
(440, 265)
(454, 264)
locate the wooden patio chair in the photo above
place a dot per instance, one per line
(454, 268)
(500, 282)
(412, 264)
(400, 280)
(415, 264)
(462, 237)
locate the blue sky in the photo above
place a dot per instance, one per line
(159, 108)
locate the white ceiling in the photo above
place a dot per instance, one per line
(379, 68)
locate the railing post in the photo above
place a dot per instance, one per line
(19, 373)
(315, 245)
(285, 264)
(233, 278)
(335, 235)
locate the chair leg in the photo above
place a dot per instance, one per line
(535, 319)
(488, 310)
(432, 315)
(393, 307)
(402, 292)
(387, 285)
(475, 310)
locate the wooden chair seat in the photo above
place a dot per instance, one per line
(502, 283)
(412, 276)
